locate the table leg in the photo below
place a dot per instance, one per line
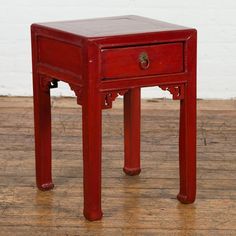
(132, 132)
(92, 112)
(187, 146)
(42, 124)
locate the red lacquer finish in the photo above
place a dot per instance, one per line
(101, 59)
(132, 131)
(125, 62)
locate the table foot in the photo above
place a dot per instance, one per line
(185, 199)
(46, 187)
(93, 215)
(132, 171)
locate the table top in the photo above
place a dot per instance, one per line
(111, 26)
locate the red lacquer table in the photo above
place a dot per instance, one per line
(101, 59)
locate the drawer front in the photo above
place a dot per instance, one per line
(142, 60)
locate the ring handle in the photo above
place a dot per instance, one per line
(144, 61)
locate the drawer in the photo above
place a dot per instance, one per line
(142, 60)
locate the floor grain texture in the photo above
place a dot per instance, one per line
(143, 205)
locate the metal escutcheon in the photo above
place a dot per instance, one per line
(144, 61)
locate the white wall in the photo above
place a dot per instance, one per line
(214, 19)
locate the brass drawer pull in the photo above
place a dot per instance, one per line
(144, 61)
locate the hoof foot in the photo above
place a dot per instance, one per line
(131, 171)
(94, 215)
(45, 187)
(185, 199)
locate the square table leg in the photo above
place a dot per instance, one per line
(132, 132)
(187, 146)
(92, 122)
(42, 124)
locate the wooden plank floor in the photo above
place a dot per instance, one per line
(143, 205)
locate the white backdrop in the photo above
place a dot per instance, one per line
(214, 19)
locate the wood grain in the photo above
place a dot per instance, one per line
(143, 205)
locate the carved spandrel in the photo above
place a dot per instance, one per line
(78, 92)
(177, 91)
(46, 83)
(109, 97)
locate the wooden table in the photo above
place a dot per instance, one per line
(101, 59)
